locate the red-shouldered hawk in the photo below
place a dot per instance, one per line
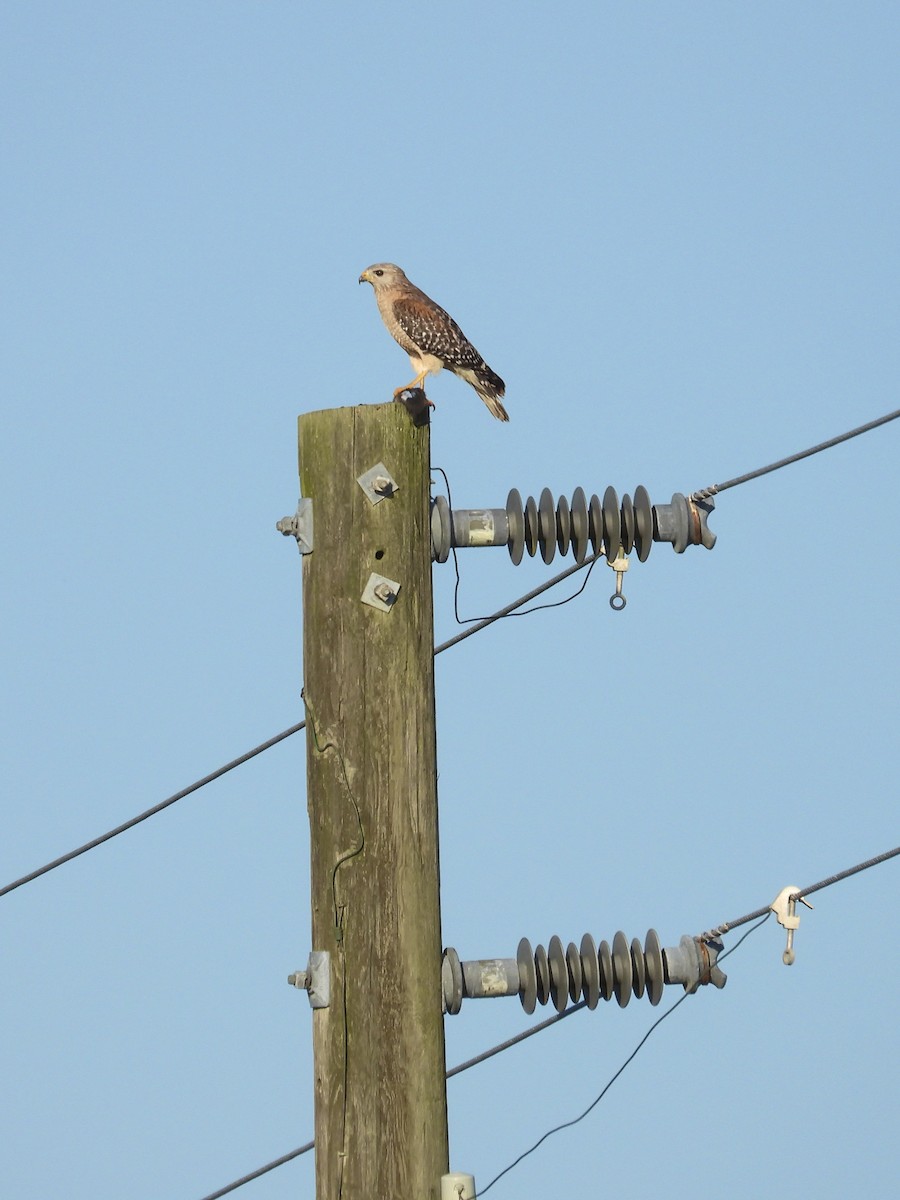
(430, 336)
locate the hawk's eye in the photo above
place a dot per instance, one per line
(379, 273)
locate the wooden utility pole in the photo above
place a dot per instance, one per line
(380, 1093)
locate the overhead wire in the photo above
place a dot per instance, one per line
(276, 1162)
(151, 812)
(457, 1070)
(568, 1124)
(760, 915)
(516, 1038)
(728, 926)
(507, 611)
(716, 488)
(631, 1057)
(477, 626)
(482, 623)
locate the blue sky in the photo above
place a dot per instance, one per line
(672, 229)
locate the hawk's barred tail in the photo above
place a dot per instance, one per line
(490, 387)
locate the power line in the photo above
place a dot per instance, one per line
(592, 1105)
(631, 1057)
(486, 1054)
(457, 1070)
(863, 866)
(279, 737)
(507, 610)
(760, 915)
(515, 1039)
(150, 812)
(807, 891)
(482, 623)
(714, 489)
(276, 1162)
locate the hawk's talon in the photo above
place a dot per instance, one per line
(415, 402)
(410, 392)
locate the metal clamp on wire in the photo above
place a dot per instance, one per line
(784, 906)
(619, 564)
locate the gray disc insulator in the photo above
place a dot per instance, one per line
(515, 515)
(559, 974)
(612, 523)
(578, 521)
(527, 975)
(643, 523)
(576, 974)
(622, 973)
(637, 968)
(581, 524)
(589, 973)
(542, 967)
(452, 981)
(656, 975)
(606, 971)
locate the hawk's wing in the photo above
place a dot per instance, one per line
(433, 331)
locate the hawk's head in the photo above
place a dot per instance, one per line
(383, 275)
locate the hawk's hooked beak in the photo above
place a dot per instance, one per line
(364, 278)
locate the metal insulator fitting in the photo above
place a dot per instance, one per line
(483, 977)
(465, 527)
(683, 523)
(692, 963)
(587, 972)
(608, 526)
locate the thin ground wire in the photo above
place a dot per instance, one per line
(481, 622)
(507, 609)
(568, 1124)
(631, 1057)
(706, 493)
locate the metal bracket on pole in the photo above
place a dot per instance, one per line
(380, 592)
(300, 526)
(378, 483)
(316, 979)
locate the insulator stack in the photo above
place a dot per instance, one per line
(585, 972)
(578, 526)
(590, 972)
